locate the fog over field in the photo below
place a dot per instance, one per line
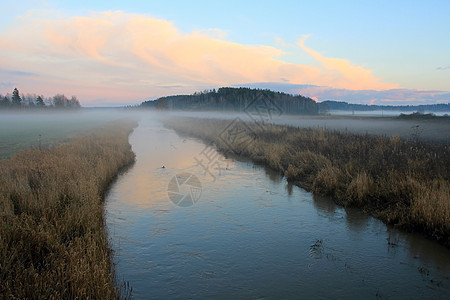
(21, 130)
(435, 130)
(29, 129)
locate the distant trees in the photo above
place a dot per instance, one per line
(4, 102)
(239, 100)
(40, 102)
(345, 106)
(61, 101)
(16, 100)
(33, 101)
(323, 108)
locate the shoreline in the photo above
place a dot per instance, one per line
(368, 172)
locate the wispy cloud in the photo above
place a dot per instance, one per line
(133, 56)
(6, 84)
(344, 74)
(17, 73)
(443, 68)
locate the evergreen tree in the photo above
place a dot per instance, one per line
(40, 102)
(16, 100)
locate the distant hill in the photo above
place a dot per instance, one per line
(341, 105)
(237, 100)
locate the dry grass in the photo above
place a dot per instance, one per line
(401, 182)
(53, 242)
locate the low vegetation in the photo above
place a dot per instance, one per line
(405, 183)
(53, 242)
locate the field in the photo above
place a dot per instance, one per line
(44, 130)
(53, 242)
(402, 182)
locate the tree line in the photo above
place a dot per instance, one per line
(236, 100)
(34, 101)
(342, 105)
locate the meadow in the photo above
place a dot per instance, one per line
(403, 182)
(53, 241)
(35, 129)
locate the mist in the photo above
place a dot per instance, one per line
(424, 130)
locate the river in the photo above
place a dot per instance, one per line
(250, 234)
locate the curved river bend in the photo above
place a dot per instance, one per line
(253, 235)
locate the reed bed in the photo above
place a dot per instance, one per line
(53, 243)
(404, 183)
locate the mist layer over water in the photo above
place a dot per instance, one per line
(423, 130)
(253, 235)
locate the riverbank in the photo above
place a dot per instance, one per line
(53, 242)
(404, 183)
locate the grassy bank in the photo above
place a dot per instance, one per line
(53, 242)
(401, 182)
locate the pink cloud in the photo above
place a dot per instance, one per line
(346, 75)
(132, 57)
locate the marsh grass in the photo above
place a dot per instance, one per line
(53, 242)
(404, 183)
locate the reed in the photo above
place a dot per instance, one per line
(53, 242)
(404, 183)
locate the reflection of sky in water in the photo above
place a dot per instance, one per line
(253, 235)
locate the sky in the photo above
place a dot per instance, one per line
(111, 53)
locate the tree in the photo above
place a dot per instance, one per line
(74, 103)
(60, 101)
(40, 102)
(16, 100)
(4, 102)
(323, 108)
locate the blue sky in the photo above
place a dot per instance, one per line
(404, 44)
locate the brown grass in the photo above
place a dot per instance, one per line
(53, 242)
(401, 182)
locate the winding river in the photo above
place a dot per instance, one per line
(250, 234)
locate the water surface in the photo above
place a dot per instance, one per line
(253, 235)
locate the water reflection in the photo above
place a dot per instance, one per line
(289, 187)
(273, 175)
(324, 204)
(357, 221)
(253, 235)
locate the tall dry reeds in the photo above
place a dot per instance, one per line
(53, 242)
(405, 183)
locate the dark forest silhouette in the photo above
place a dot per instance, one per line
(237, 100)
